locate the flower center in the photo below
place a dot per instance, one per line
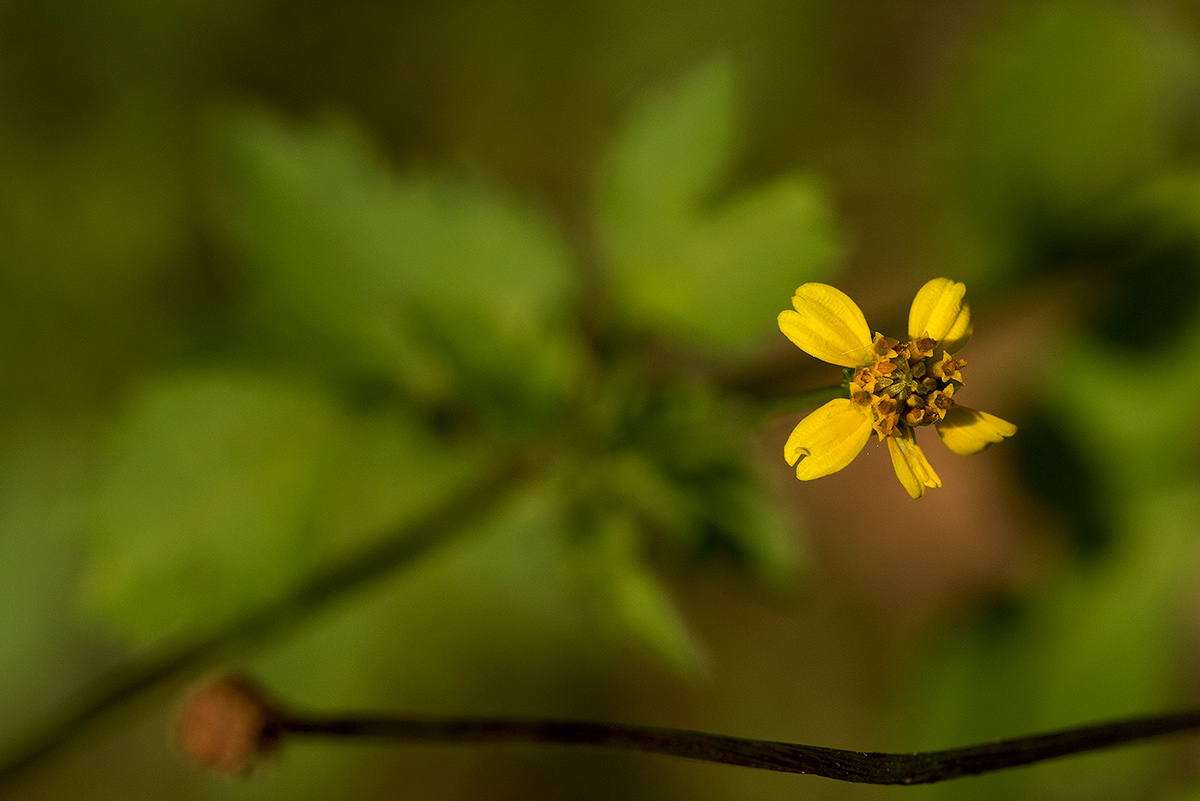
(906, 385)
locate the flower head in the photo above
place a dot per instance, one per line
(894, 387)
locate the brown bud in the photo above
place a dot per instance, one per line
(226, 725)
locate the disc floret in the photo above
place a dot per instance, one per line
(910, 384)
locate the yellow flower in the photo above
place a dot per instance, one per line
(895, 387)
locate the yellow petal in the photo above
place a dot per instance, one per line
(968, 431)
(828, 325)
(940, 312)
(912, 468)
(827, 440)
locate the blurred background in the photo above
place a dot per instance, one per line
(479, 298)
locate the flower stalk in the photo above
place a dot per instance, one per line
(799, 401)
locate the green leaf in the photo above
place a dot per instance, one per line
(446, 284)
(204, 509)
(639, 604)
(301, 207)
(731, 274)
(716, 273)
(699, 444)
(671, 152)
(644, 608)
(675, 458)
(225, 488)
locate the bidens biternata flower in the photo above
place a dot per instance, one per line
(894, 388)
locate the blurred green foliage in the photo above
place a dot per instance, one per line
(682, 256)
(460, 306)
(261, 308)
(227, 488)
(445, 287)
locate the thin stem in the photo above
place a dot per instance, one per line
(131, 682)
(832, 763)
(799, 401)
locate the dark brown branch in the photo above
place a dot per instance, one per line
(131, 682)
(831, 763)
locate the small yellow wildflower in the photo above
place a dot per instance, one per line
(894, 388)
